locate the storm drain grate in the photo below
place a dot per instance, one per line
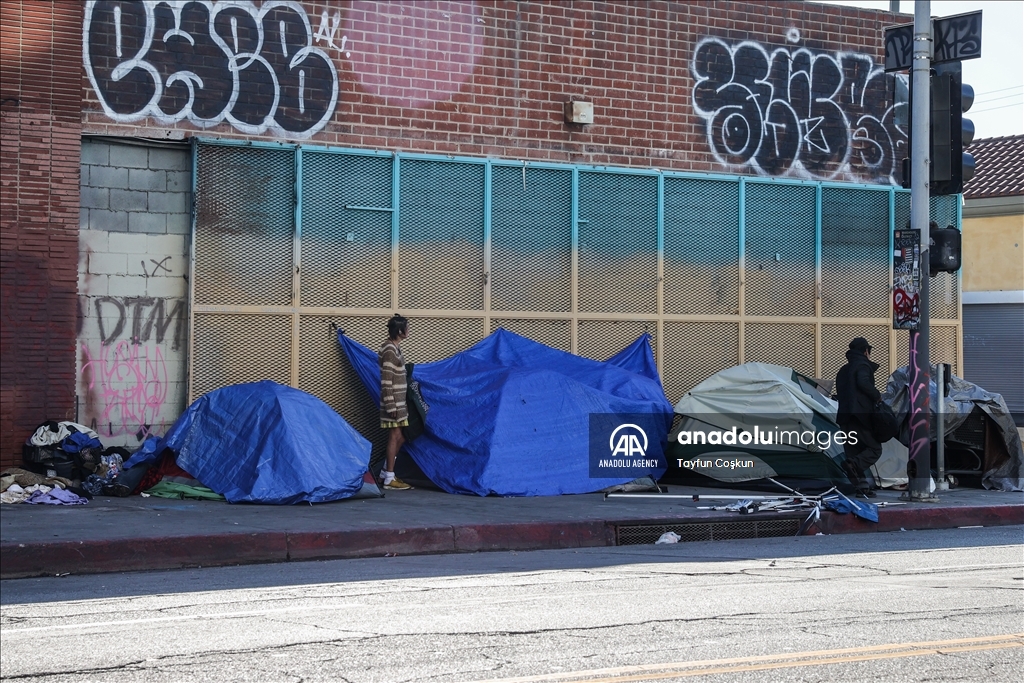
(715, 531)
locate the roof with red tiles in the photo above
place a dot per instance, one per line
(1000, 168)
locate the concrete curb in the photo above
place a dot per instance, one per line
(919, 517)
(21, 560)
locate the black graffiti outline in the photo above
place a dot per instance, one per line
(144, 322)
(781, 111)
(958, 37)
(157, 266)
(247, 66)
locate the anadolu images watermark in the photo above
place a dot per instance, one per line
(741, 447)
(627, 445)
(811, 439)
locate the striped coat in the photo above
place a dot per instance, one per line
(393, 383)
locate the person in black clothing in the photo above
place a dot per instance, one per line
(855, 389)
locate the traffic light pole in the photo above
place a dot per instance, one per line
(919, 463)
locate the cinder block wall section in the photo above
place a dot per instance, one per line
(40, 138)
(133, 287)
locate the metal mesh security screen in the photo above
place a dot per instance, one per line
(441, 235)
(780, 250)
(245, 202)
(944, 288)
(902, 218)
(781, 344)
(693, 351)
(478, 249)
(437, 338)
(325, 372)
(531, 239)
(701, 246)
(555, 333)
(942, 347)
(854, 253)
(346, 230)
(618, 243)
(235, 348)
(602, 339)
(943, 296)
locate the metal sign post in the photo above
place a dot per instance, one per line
(919, 463)
(919, 46)
(940, 427)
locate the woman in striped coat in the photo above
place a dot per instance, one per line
(394, 413)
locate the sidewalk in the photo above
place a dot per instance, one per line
(126, 534)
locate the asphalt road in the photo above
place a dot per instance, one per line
(913, 606)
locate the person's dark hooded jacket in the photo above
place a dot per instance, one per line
(855, 389)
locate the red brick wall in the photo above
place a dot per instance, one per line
(494, 85)
(40, 134)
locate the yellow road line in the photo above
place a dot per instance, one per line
(645, 672)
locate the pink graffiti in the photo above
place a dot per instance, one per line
(130, 382)
(920, 440)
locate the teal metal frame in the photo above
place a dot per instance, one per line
(489, 164)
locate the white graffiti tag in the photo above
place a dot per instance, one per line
(795, 112)
(327, 31)
(210, 62)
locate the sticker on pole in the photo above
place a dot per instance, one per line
(906, 280)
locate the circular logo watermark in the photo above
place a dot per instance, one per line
(628, 440)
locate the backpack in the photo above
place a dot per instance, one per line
(884, 425)
(417, 407)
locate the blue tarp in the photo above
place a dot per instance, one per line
(510, 416)
(149, 451)
(267, 443)
(75, 442)
(862, 509)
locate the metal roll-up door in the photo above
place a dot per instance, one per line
(994, 351)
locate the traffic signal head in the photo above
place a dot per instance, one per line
(966, 132)
(949, 132)
(951, 166)
(943, 250)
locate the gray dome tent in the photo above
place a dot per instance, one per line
(753, 400)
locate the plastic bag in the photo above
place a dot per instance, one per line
(668, 537)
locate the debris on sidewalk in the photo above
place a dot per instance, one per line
(55, 496)
(17, 494)
(18, 485)
(833, 500)
(668, 537)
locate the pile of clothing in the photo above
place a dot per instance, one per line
(21, 486)
(64, 449)
(73, 453)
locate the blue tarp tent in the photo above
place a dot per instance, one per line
(267, 443)
(510, 416)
